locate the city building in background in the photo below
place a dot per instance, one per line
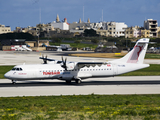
(4, 29)
(151, 25)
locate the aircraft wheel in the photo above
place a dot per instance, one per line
(78, 81)
(13, 81)
(68, 81)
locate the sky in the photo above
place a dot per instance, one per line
(23, 13)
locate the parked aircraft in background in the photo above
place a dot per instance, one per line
(76, 71)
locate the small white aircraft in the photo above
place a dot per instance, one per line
(76, 71)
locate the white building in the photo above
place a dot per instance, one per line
(120, 29)
(4, 29)
(116, 29)
(62, 26)
(96, 26)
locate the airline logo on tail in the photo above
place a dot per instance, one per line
(135, 54)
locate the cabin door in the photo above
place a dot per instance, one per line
(115, 69)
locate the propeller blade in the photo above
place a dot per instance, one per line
(62, 60)
(64, 63)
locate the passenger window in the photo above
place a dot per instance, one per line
(20, 69)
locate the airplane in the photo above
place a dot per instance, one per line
(76, 71)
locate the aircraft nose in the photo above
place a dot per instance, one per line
(6, 75)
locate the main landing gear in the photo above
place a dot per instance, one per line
(78, 81)
(68, 81)
(13, 81)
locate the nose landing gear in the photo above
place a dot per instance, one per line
(13, 81)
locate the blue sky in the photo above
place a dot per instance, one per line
(25, 13)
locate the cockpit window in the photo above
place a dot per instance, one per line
(17, 69)
(13, 68)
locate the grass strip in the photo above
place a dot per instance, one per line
(81, 107)
(153, 70)
(152, 56)
(3, 70)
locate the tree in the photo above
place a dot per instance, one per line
(95, 41)
(56, 40)
(16, 36)
(90, 33)
(77, 42)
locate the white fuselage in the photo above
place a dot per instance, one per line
(55, 71)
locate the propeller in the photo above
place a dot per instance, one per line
(64, 63)
(44, 59)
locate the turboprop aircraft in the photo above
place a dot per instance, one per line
(76, 71)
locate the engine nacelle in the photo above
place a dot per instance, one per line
(70, 66)
(66, 77)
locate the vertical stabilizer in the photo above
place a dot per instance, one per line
(137, 54)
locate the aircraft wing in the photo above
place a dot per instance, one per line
(47, 59)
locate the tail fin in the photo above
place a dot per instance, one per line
(137, 54)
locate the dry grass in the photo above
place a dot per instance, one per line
(101, 55)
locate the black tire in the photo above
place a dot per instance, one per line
(68, 81)
(78, 81)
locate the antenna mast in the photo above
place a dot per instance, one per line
(83, 13)
(40, 15)
(102, 15)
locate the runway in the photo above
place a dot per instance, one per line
(103, 86)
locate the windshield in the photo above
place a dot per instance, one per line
(17, 69)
